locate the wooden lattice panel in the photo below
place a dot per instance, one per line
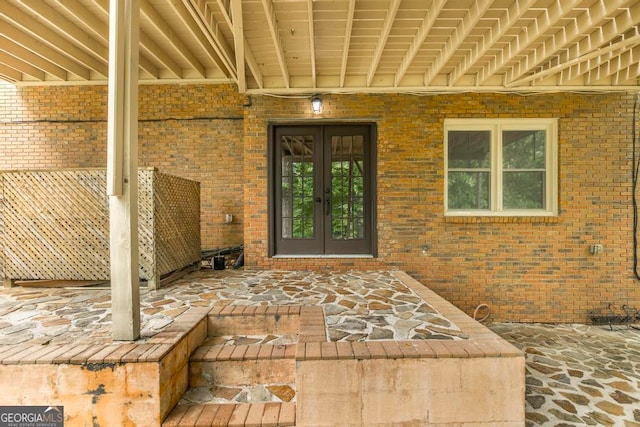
(55, 224)
(177, 222)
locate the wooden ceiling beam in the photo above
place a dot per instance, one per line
(614, 66)
(56, 41)
(462, 30)
(347, 41)
(312, 43)
(595, 15)
(382, 40)
(9, 74)
(495, 33)
(164, 29)
(526, 37)
(14, 49)
(630, 73)
(621, 45)
(32, 44)
(185, 13)
(272, 22)
(611, 29)
(204, 18)
(88, 20)
(243, 53)
(418, 40)
(101, 30)
(21, 66)
(238, 40)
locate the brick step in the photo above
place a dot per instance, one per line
(232, 415)
(261, 393)
(242, 365)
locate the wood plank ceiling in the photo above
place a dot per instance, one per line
(315, 46)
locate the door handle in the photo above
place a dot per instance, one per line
(327, 202)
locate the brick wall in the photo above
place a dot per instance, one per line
(194, 132)
(525, 269)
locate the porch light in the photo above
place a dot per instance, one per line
(316, 104)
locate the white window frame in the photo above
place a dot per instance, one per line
(496, 127)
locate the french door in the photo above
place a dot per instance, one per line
(322, 190)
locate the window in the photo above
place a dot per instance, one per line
(504, 167)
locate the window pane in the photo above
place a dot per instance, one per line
(523, 190)
(468, 190)
(469, 149)
(523, 149)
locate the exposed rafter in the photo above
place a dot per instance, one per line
(30, 43)
(527, 36)
(9, 74)
(89, 22)
(612, 28)
(302, 47)
(272, 22)
(312, 44)
(70, 30)
(48, 36)
(14, 49)
(621, 45)
(164, 29)
(238, 38)
(382, 40)
(567, 35)
(203, 16)
(478, 8)
(185, 16)
(21, 66)
(347, 41)
(100, 29)
(418, 40)
(507, 20)
(614, 67)
(242, 51)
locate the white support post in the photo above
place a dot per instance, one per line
(122, 167)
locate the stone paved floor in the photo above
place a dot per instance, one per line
(358, 306)
(579, 375)
(576, 375)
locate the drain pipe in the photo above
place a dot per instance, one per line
(635, 169)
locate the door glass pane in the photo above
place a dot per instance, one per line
(297, 187)
(347, 187)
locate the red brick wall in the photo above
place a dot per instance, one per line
(525, 269)
(190, 131)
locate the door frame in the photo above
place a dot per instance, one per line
(271, 186)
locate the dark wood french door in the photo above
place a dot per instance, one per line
(322, 190)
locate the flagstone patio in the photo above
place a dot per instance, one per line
(576, 374)
(356, 332)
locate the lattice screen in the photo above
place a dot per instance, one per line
(55, 224)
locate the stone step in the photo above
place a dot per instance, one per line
(232, 415)
(242, 365)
